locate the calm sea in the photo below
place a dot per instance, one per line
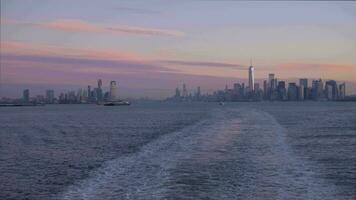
(270, 150)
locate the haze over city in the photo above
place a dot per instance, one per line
(151, 47)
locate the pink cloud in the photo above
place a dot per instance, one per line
(71, 25)
(21, 48)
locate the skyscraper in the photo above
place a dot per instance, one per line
(292, 92)
(317, 89)
(185, 92)
(198, 93)
(100, 83)
(265, 89)
(270, 78)
(99, 91)
(282, 91)
(113, 90)
(177, 96)
(304, 82)
(26, 95)
(89, 92)
(251, 78)
(331, 90)
(50, 96)
(342, 91)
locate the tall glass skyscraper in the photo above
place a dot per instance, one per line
(251, 78)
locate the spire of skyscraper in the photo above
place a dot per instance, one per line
(251, 78)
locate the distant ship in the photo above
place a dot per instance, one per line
(117, 103)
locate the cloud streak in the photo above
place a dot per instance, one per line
(313, 67)
(136, 10)
(204, 64)
(74, 25)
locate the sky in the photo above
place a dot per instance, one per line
(152, 46)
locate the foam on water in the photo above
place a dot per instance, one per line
(232, 154)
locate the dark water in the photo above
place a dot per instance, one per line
(179, 151)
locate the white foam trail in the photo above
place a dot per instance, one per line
(252, 143)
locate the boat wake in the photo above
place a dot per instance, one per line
(235, 153)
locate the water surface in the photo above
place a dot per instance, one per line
(179, 150)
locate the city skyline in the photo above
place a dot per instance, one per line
(150, 47)
(272, 89)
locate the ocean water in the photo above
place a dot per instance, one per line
(265, 150)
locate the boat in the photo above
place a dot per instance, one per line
(117, 103)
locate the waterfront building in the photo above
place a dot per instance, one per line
(342, 91)
(99, 91)
(331, 90)
(301, 93)
(317, 89)
(282, 91)
(113, 90)
(26, 95)
(292, 92)
(49, 96)
(304, 82)
(89, 93)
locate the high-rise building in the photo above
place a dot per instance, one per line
(271, 82)
(50, 96)
(185, 92)
(282, 91)
(304, 82)
(301, 93)
(251, 78)
(113, 90)
(270, 77)
(198, 93)
(317, 89)
(331, 90)
(256, 87)
(100, 83)
(26, 95)
(99, 91)
(89, 92)
(177, 93)
(265, 89)
(292, 92)
(342, 91)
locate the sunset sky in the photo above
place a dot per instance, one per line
(150, 47)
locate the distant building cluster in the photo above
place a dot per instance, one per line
(273, 90)
(88, 95)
